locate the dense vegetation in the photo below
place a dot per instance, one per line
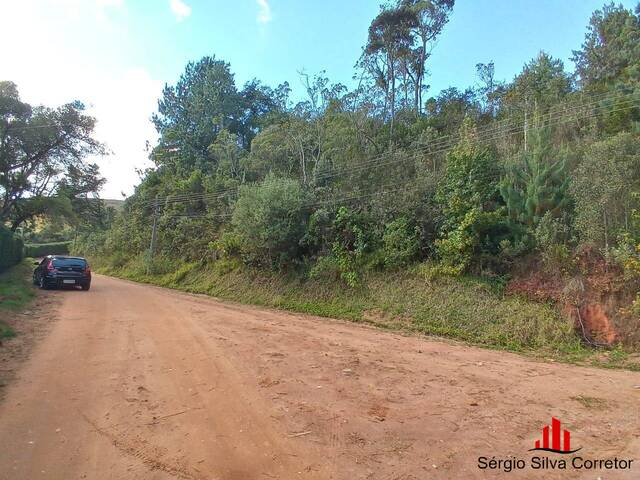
(16, 292)
(42, 249)
(48, 191)
(11, 248)
(488, 181)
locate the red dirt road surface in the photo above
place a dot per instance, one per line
(138, 382)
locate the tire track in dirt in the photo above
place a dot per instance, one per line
(172, 386)
(148, 459)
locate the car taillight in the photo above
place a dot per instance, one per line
(87, 269)
(50, 266)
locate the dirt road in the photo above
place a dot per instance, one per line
(137, 382)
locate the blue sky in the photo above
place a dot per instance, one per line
(116, 55)
(328, 35)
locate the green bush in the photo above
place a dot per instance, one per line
(325, 267)
(228, 245)
(347, 263)
(456, 249)
(605, 189)
(117, 259)
(89, 243)
(354, 242)
(271, 219)
(401, 243)
(552, 237)
(473, 224)
(43, 249)
(11, 248)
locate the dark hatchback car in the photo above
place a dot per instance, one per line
(56, 271)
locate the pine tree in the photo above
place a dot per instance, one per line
(536, 185)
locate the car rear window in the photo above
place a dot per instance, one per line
(69, 262)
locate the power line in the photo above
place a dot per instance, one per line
(406, 185)
(443, 141)
(479, 139)
(454, 138)
(400, 187)
(483, 137)
(198, 215)
(191, 196)
(444, 144)
(342, 199)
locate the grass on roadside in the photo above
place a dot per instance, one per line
(16, 292)
(412, 300)
(466, 309)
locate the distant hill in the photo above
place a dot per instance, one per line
(111, 202)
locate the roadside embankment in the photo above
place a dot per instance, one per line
(412, 301)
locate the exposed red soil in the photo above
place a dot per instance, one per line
(593, 295)
(597, 323)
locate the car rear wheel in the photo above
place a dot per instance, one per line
(86, 287)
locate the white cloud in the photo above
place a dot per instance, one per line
(106, 6)
(121, 96)
(180, 9)
(123, 104)
(264, 15)
(110, 3)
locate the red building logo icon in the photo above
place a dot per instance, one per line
(554, 439)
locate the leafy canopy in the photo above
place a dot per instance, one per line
(42, 156)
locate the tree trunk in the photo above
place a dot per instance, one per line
(303, 164)
(423, 60)
(16, 223)
(393, 100)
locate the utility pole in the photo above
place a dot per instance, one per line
(154, 232)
